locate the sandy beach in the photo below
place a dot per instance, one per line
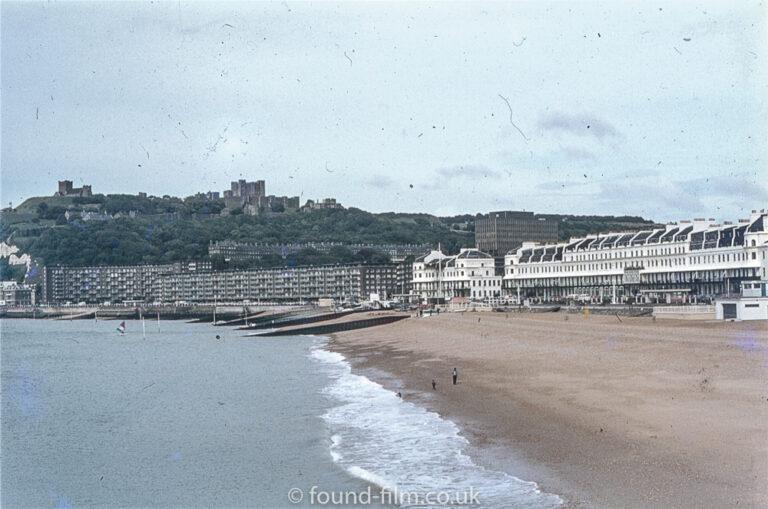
(604, 411)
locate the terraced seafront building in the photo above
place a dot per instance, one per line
(468, 274)
(685, 261)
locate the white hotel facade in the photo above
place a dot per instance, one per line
(468, 274)
(689, 261)
(683, 262)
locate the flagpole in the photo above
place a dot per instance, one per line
(439, 272)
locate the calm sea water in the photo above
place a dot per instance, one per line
(91, 418)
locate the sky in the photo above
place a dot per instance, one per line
(656, 109)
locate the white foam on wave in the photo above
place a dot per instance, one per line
(335, 444)
(372, 478)
(397, 445)
(328, 357)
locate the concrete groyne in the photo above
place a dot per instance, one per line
(299, 321)
(334, 327)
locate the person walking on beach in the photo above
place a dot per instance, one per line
(455, 376)
(434, 384)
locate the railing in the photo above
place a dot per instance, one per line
(684, 309)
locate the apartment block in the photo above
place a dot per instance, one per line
(500, 232)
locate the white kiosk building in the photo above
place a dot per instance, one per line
(752, 305)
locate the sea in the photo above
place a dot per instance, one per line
(172, 414)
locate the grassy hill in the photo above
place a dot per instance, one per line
(30, 205)
(172, 229)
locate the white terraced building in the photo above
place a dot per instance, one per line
(469, 274)
(686, 262)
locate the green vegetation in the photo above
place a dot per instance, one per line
(169, 229)
(31, 204)
(114, 203)
(183, 236)
(309, 256)
(579, 226)
(10, 272)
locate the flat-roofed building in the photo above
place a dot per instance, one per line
(752, 304)
(195, 282)
(108, 284)
(342, 283)
(500, 232)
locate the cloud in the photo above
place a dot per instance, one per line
(379, 182)
(658, 194)
(576, 153)
(741, 187)
(580, 124)
(434, 185)
(558, 185)
(665, 197)
(468, 171)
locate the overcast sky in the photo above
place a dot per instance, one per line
(653, 109)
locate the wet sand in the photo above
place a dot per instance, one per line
(603, 411)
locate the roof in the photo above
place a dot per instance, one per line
(472, 253)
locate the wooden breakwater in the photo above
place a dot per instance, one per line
(224, 317)
(240, 321)
(269, 319)
(334, 327)
(300, 321)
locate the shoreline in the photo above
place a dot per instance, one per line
(599, 412)
(484, 450)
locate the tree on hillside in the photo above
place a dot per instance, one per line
(373, 256)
